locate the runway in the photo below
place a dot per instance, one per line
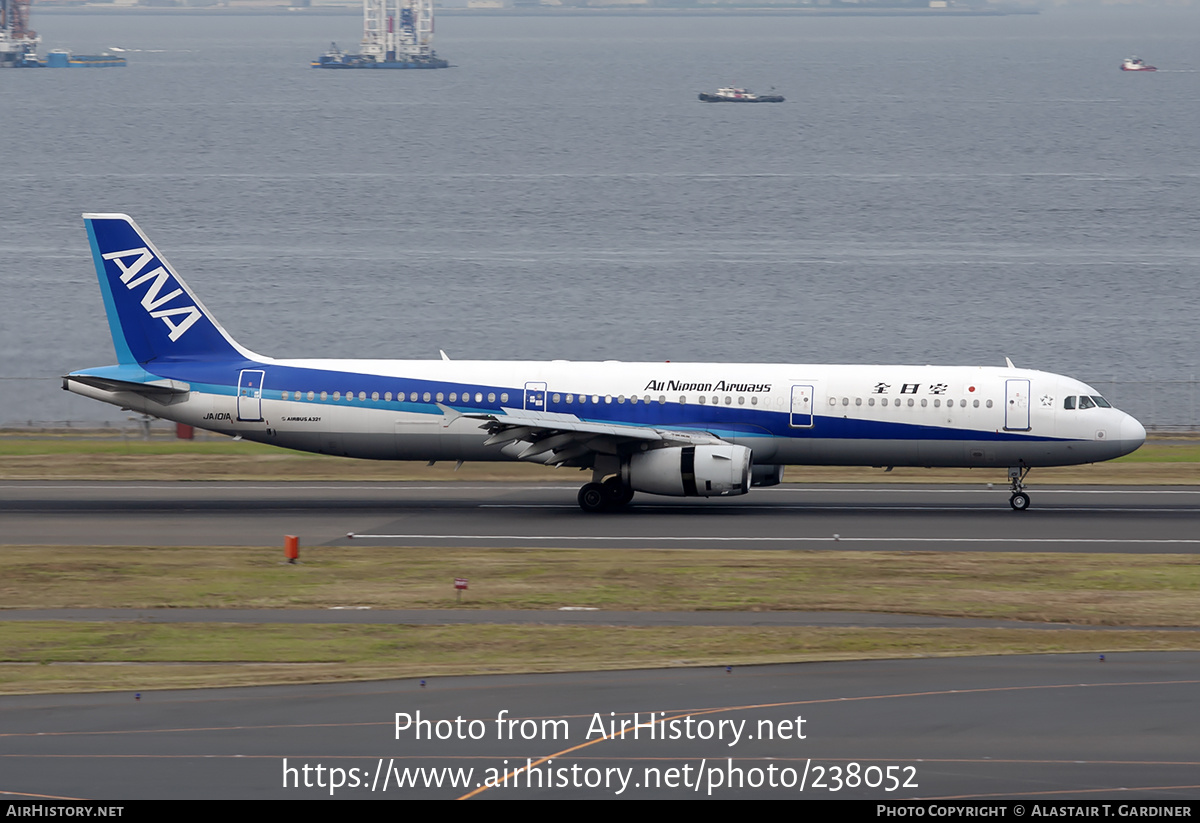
(1045, 728)
(827, 516)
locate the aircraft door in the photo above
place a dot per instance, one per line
(535, 397)
(1016, 405)
(249, 402)
(802, 407)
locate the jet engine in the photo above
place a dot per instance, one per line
(690, 471)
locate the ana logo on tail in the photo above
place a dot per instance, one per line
(151, 300)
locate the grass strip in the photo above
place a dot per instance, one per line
(1077, 588)
(54, 656)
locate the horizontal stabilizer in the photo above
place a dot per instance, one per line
(157, 389)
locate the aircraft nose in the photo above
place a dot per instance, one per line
(1133, 433)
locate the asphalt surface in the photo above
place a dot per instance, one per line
(878, 517)
(1046, 728)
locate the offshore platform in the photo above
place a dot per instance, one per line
(18, 43)
(397, 34)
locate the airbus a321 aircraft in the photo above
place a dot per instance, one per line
(680, 429)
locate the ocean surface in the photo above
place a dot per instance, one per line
(948, 191)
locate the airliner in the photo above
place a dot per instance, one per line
(676, 429)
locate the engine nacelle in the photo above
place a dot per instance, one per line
(690, 471)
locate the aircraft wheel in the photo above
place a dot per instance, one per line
(1019, 501)
(617, 492)
(592, 498)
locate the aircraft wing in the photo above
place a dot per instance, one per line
(558, 439)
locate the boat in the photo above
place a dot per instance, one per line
(732, 94)
(336, 59)
(1135, 64)
(397, 34)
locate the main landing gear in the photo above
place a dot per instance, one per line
(1019, 500)
(607, 496)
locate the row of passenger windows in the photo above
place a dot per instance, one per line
(1086, 402)
(427, 397)
(937, 402)
(571, 399)
(596, 399)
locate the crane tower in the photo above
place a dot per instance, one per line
(397, 34)
(18, 42)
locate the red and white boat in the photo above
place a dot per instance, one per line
(1136, 64)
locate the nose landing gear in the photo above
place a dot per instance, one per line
(1019, 499)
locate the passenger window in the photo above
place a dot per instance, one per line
(703, 399)
(742, 401)
(621, 399)
(754, 400)
(311, 396)
(491, 397)
(478, 397)
(1085, 402)
(937, 403)
(845, 401)
(453, 396)
(362, 395)
(570, 399)
(1069, 402)
(324, 395)
(388, 396)
(662, 398)
(440, 397)
(426, 397)
(608, 399)
(504, 397)
(556, 398)
(858, 401)
(989, 404)
(337, 395)
(910, 401)
(924, 402)
(683, 400)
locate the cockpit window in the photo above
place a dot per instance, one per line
(1086, 402)
(1069, 402)
(1101, 402)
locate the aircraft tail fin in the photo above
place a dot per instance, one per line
(151, 312)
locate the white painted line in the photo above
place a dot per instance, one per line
(826, 509)
(830, 539)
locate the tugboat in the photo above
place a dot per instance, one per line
(1135, 64)
(736, 95)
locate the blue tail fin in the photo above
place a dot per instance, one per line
(152, 313)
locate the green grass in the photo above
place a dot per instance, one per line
(1089, 589)
(37, 657)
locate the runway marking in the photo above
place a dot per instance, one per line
(815, 507)
(1071, 792)
(40, 796)
(1154, 541)
(718, 710)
